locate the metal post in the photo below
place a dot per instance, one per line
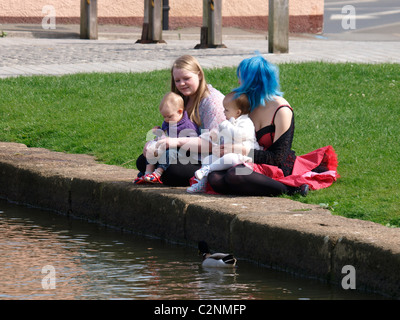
(165, 17)
(278, 26)
(211, 31)
(89, 29)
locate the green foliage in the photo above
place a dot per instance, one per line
(353, 107)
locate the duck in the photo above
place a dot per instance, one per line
(215, 260)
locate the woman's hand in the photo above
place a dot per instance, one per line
(167, 143)
(232, 148)
(225, 149)
(194, 144)
(216, 151)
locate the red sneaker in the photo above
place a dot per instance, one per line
(153, 178)
(139, 180)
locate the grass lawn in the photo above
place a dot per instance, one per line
(353, 107)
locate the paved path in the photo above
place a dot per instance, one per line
(23, 54)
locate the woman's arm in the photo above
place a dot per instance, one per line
(282, 121)
(194, 144)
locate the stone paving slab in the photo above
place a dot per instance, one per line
(30, 56)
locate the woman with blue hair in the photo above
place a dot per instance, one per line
(259, 80)
(276, 169)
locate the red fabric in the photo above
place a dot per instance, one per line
(267, 140)
(302, 170)
(303, 165)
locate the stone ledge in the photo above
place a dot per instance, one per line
(276, 232)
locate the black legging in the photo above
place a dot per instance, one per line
(177, 175)
(223, 182)
(253, 184)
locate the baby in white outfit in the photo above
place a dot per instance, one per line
(237, 131)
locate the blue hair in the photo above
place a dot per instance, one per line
(259, 81)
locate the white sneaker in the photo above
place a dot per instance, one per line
(199, 187)
(202, 172)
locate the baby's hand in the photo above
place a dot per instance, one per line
(157, 131)
(160, 134)
(151, 150)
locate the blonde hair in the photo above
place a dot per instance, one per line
(190, 63)
(175, 99)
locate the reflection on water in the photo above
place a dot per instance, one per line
(92, 262)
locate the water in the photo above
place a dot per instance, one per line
(93, 262)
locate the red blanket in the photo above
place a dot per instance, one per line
(302, 169)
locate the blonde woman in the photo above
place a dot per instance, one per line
(204, 106)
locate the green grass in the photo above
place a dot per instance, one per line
(353, 107)
(106, 115)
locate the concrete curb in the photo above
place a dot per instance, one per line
(276, 232)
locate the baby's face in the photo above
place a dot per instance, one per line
(171, 114)
(230, 109)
